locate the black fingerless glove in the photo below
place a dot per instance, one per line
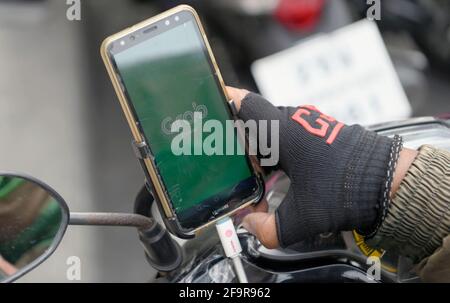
(336, 171)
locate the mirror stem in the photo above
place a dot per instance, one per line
(111, 219)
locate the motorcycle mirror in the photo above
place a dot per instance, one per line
(33, 220)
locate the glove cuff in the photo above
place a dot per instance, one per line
(365, 180)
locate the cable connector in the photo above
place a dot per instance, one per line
(231, 245)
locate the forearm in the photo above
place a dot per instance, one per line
(419, 215)
(407, 157)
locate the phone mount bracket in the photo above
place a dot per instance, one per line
(142, 151)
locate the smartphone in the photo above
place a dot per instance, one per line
(163, 69)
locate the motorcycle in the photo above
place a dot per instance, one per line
(427, 23)
(34, 218)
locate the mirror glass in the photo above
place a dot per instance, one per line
(33, 219)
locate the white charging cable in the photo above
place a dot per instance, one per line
(231, 246)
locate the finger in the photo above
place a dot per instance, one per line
(262, 225)
(242, 213)
(237, 95)
(261, 207)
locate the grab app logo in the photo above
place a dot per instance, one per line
(166, 123)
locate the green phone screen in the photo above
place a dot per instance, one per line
(168, 77)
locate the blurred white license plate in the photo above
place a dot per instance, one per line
(347, 74)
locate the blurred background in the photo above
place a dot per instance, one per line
(60, 120)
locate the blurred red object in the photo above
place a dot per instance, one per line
(445, 116)
(300, 15)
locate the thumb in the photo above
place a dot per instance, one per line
(262, 225)
(252, 106)
(237, 95)
(263, 128)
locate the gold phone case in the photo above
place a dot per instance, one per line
(158, 187)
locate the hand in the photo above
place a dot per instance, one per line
(336, 173)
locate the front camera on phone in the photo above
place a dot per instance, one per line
(167, 22)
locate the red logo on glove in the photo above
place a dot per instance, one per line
(324, 121)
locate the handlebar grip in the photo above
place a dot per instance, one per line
(161, 251)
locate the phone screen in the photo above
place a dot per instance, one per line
(169, 76)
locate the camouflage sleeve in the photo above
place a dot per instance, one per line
(418, 219)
